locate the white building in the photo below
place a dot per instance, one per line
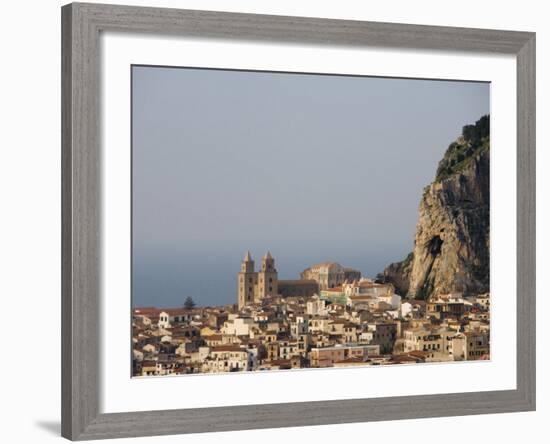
(227, 358)
(238, 326)
(174, 315)
(366, 294)
(299, 326)
(316, 306)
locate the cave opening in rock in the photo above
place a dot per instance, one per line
(434, 245)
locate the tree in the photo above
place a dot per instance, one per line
(189, 303)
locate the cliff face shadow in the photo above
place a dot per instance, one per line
(52, 427)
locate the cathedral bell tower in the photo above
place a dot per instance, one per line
(267, 277)
(248, 282)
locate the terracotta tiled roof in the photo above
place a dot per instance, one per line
(228, 348)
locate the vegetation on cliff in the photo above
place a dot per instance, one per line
(461, 153)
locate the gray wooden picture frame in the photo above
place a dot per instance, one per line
(81, 234)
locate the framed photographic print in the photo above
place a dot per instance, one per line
(278, 221)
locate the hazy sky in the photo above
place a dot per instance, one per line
(311, 167)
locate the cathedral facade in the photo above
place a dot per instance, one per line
(253, 285)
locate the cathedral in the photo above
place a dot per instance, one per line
(255, 285)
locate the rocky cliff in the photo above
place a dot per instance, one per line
(451, 250)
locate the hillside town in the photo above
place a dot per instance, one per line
(330, 317)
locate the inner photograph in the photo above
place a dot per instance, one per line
(286, 221)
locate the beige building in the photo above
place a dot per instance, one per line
(149, 368)
(451, 305)
(327, 356)
(443, 344)
(366, 286)
(330, 274)
(253, 285)
(424, 339)
(227, 358)
(477, 345)
(384, 334)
